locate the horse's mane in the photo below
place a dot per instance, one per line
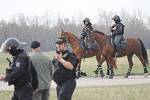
(73, 35)
(99, 32)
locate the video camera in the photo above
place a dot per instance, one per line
(10, 69)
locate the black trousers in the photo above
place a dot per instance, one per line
(65, 90)
(22, 93)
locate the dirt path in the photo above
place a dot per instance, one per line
(91, 81)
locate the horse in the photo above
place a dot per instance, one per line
(80, 52)
(134, 47)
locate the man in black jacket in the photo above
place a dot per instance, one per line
(65, 63)
(23, 75)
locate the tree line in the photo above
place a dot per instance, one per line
(46, 29)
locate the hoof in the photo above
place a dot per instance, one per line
(96, 75)
(102, 75)
(106, 76)
(78, 75)
(111, 77)
(126, 76)
(83, 74)
(145, 75)
(96, 72)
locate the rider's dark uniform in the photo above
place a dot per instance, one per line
(86, 30)
(117, 31)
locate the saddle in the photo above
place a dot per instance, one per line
(87, 44)
(123, 44)
(120, 47)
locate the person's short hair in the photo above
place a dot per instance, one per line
(35, 44)
(60, 41)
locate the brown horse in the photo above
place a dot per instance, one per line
(134, 46)
(80, 52)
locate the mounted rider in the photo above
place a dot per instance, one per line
(117, 31)
(86, 31)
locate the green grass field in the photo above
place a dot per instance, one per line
(90, 64)
(137, 92)
(133, 92)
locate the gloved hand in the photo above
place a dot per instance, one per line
(2, 77)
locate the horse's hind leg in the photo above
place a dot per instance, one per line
(111, 72)
(144, 65)
(107, 73)
(130, 65)
(101, 71)
(110, 66)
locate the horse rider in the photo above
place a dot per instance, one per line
(86, 31)
(117, 31)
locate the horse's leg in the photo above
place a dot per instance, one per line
(101, 60)
(111, 72)
(108, 69)
(99, 66)
(107, 73)
(144, 65)
(111, 63)
(130, 65)
(78, 72)
(98, 59)
(101, 71)
(83, 73)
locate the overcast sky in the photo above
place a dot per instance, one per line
(67, 8)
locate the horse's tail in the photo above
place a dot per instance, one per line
(144, 52)
(113, 62)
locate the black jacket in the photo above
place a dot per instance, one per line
(119, 29)
(23, 72)
(61, 74)
(87, 28)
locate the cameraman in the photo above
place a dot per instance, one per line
(65, 63)
(23, 75)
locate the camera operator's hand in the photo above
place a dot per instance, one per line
(58, 56)
(2, 77)
(65, 63)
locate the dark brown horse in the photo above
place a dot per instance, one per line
(80, 52)
(134, 46)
